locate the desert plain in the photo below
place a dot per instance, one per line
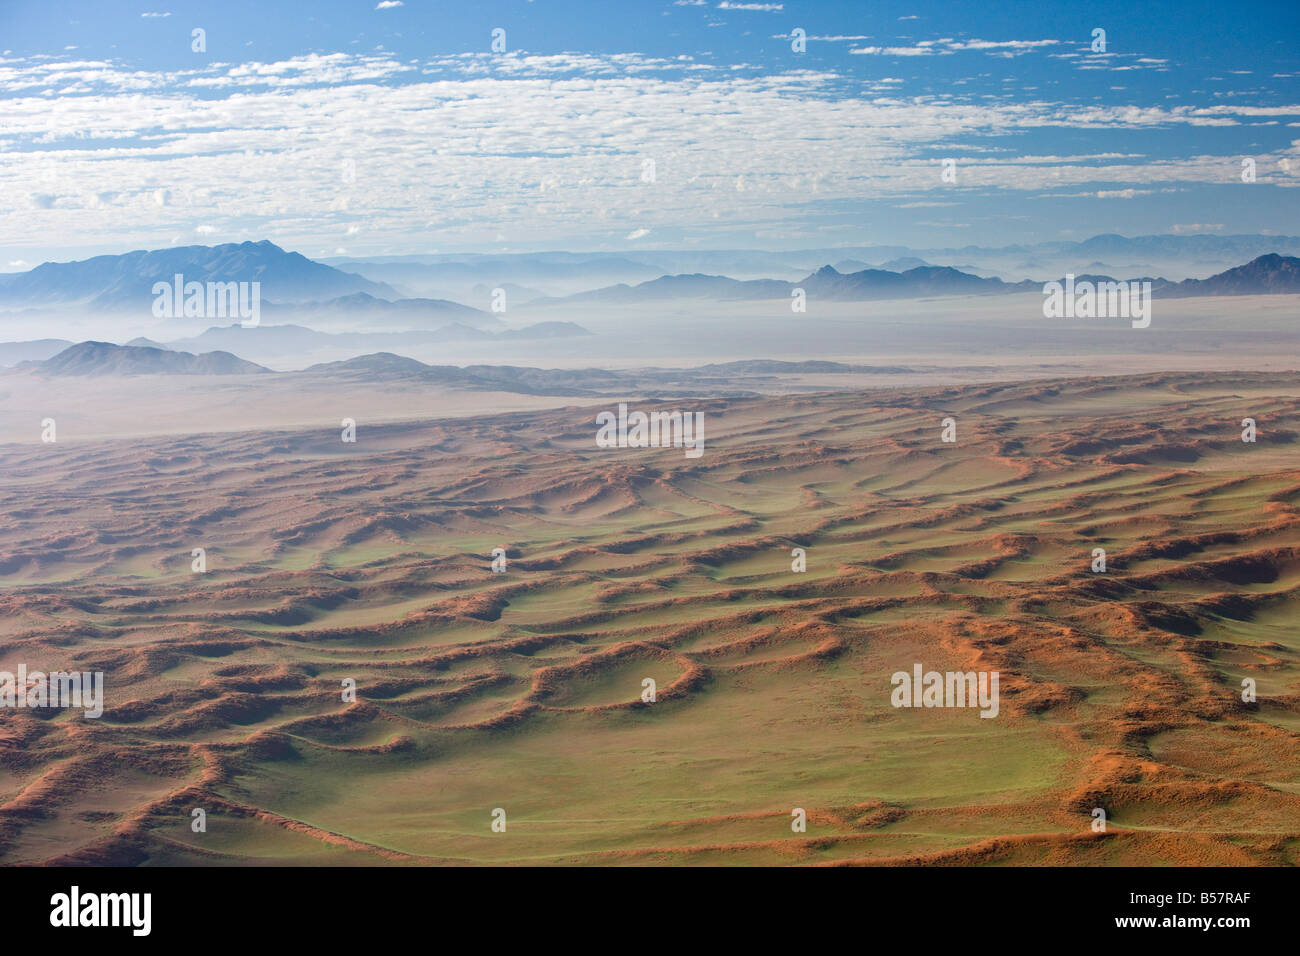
(517, 693)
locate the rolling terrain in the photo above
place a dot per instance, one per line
(521, 690)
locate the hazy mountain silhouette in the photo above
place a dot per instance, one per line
(277, 340)
(360, 307)
(901, 264)
(126, 281)
(696, 286)
(1267, 275)
(385, 366)
(827, 283)
(728, 376)
(104, 358)
(294, 286)
(547, 330)
(38, 350)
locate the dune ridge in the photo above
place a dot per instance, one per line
(522, 689)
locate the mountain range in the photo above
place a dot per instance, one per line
(276, 340)
(37, 350)
(122, 282)
(466, 276)
(1267, 274)
(294, 287)
(104, 358)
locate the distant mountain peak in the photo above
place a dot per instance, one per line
(126, 282)
(1268, 274)
(105, 358)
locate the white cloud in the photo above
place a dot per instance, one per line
(470, 146)
(947, 45)
(388, 4)
(826, 39)
(999, 44)
(895, 50)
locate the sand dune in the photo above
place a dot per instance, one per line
(523, 690)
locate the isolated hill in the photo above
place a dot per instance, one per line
(901, 264)
(1267, 275)
(104, 358)
(361, 307)
(385, 366)
(547, 330)
(380, 365)
(453, 332)
(1099, 278)
(126, 281)
(851, 265)
(38, 350)
(264, 339)
(828, 283)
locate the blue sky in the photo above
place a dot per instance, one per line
(365, 128)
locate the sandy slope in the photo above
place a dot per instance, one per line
(521, 690)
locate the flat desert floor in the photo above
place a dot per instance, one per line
(521, 691)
